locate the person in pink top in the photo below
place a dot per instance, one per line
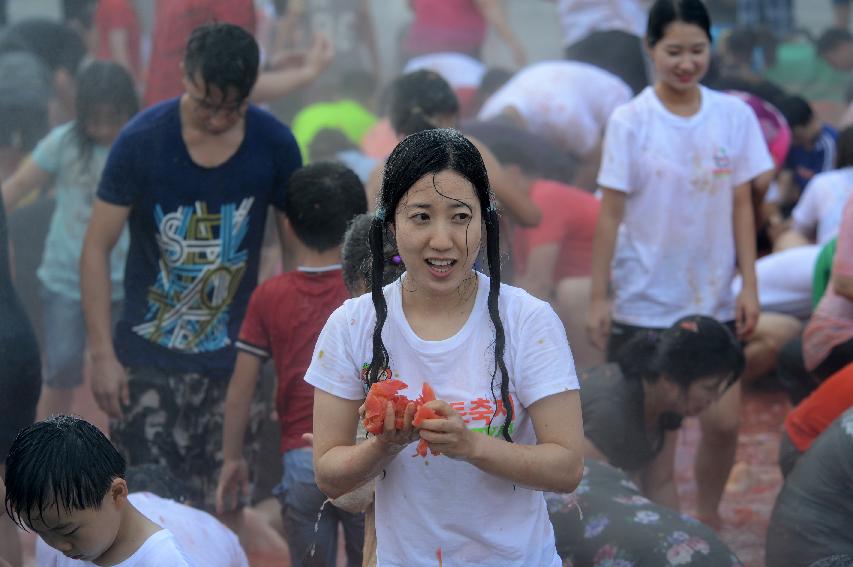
(553, 260)
(118, 35)
(460, 26)
(828, 338)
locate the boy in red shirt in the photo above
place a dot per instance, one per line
(284, 318)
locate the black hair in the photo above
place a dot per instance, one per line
(321, 200)
(844, 148)
(25, 92)
(513, 152)
(428, 153)
(58, 46)
(226, 56)
(80, 11)
(417, 99)
(62, 461)
(693, 348)
(831, 39)
(665, 12)
(101, 83)
(327, 143)
(796, 110)
(741, 42)
(357, 259)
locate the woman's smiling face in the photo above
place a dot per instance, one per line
(438, 226)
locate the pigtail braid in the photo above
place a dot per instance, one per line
(379, 362)
(494, 262)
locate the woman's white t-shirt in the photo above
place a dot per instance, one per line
(423, 506)
(819, 209)
(565, 101)
(675, 250)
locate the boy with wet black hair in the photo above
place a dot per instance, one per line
(65, 481)
(812, 151)
(283, 321)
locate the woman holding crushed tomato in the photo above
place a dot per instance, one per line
(497, 358)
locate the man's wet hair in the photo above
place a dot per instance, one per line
(63, 462)
(225, 56)
(321, 200)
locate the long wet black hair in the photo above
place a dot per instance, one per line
(693, 348)
(99, 84)
(430, 152)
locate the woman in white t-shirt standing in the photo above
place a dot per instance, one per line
(676, 220)
(497, 358)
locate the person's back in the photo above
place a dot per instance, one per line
(568, 215)
(565, 101)
(811, 518)
(205, 540)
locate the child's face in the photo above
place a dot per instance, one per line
(438, 227)
(104, 125)
(80, 534)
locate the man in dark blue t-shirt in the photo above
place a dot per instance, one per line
(193, 177)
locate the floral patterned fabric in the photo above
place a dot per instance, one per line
(606, 522)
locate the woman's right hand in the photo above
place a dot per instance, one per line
(598, 322)
(394, 440)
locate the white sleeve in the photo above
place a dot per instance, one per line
(47, 556)
(333, 367)
(753, 159)
(168, 552)
(615, 172)
(805, 214)
(544, 364)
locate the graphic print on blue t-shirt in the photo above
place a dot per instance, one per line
(201, 267)
(195, 237)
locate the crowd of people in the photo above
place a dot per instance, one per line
(574, 255)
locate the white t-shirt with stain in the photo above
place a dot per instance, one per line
(675, 250)
(190, 538)
(819, 209)
(423, 506)
(565, 101)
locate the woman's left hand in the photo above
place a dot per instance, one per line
(747, 311)
(448, 436)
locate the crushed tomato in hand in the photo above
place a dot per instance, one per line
(381, 393)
